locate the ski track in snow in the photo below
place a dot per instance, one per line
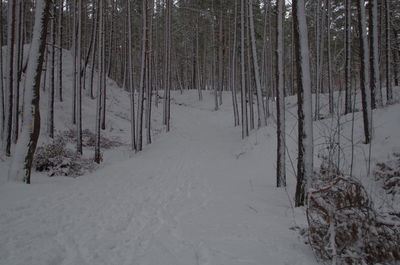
(198, 195)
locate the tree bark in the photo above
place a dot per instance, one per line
(26, 145)
(280, 97)
(304, 100)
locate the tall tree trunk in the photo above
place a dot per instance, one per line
(389, 90)
(97, 151)
(376, 91)
(10, 75)
(249, 72)
(149, 72)
(140, 110)
(348, 48)
(245, 130)
(233, 71)
(330, 85)
(280, 97)
(260, 103)
(16, 65)
(365, 70)
(79, 83)
(60, 53)
(75, 54)
(2, 96)
(304, 100)
(130, 73)
(198, 85)
(26, 146)
(50, 93)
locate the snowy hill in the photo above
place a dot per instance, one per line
(197, 195)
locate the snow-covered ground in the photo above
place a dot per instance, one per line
(197, 195)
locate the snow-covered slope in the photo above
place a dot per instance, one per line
(198, 195)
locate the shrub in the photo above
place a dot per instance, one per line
(389, 174)
(57, 160)
(344, 226)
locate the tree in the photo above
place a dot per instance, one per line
(389, 89)
(348, 31)
(304, 103)
(10, 75)
(139, 126)
(99, 94)
(26, 145)
(79, 83)
(280, 97)
(50, 110)
(2, 96)
(233, 70)
(245, 129)
(260, 103)
(364, 72)
(130, 73)
(60, 50)
(375, 81)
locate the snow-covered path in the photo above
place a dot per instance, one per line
(198, 195)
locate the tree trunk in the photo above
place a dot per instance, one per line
(376, 91)
(280, 97)
(245, 130)
(60, 53)
(10, 75)
(79, 83)
(50, 93)
(364, 71)
(2, 96)
(260, 103)
(26, 146)
(130, 73)
(389, 90)
(304, 101)
(348, 48)
(97, 151)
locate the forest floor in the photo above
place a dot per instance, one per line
(197, 195)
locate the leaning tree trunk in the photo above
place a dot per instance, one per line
(26, 145)
(305, 123)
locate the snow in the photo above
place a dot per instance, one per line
(197, 195)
